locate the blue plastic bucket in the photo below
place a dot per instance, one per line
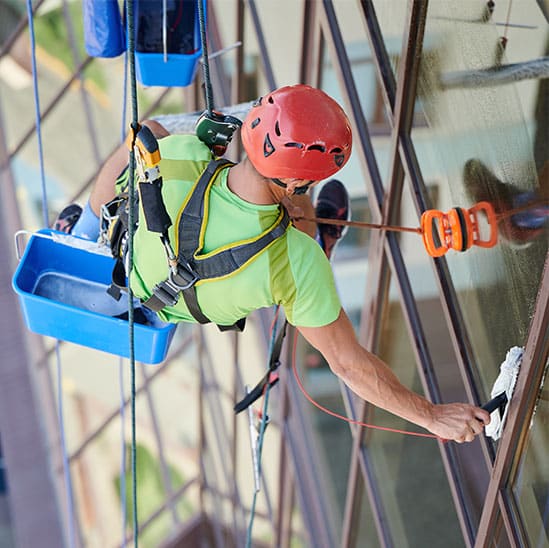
(182, 41)
(177, 71)
(62, 293)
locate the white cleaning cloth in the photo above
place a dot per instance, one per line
(505, 382)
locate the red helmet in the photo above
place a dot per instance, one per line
(297, 132)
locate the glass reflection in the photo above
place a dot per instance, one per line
(477, 146)
(531, 487)
(405, 466)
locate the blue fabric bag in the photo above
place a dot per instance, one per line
(103, 29)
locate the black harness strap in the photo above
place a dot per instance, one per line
(191, 266)
(270, 378)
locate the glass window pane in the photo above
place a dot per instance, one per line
(476, 147)
(409, 471)
(531, 486)
(319, 381)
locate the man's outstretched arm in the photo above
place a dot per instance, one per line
(371, 379)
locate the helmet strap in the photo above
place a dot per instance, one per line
(299, 190)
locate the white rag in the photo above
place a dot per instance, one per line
(505, 382)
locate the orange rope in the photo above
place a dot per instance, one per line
(394, 228)
(359, 224)
(348, 419)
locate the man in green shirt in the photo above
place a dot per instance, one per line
(294, 138)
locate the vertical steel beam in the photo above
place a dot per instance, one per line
(311, 45)
(336, 45)
(164, 469)
(264, 51)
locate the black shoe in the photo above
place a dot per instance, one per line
(332, 203)
(68, 218)
(519, 229)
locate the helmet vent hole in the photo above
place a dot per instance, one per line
(270, 100)
(320, 148)
(293, 145)
(256, 122)
(335, 150)
(277, 128)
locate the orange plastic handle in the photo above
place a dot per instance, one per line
(427, 232)
(488, 209)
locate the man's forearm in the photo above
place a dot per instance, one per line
(371, 379)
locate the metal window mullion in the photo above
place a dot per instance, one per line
(381, 59)
(461, 343)
(164, 469)
(221, 82)
(221, 436)
(237, 503)
(98, 430)
(53, 103)
(334, 40)
(402, 124)
(204, 398)
(371, 326)
(408, 161)
(362, 141)
(92, 131)
(430, 384)
(521, 408)
(316, 512)
(448, 296)
(311, 46)
(18, 31)
(267, 66)
(406, 92)
(282, 532)
(360, 464)
(236, 81)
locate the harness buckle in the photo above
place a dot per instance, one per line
(184, 274)
(168, 290)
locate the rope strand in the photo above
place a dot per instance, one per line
(30, 17)
(131, 230)
(208, 93)
(262, 427)
(59, 373)
(343, 417)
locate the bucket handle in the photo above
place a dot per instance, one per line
(16, 239)
(61, 238)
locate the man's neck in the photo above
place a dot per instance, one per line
(252, 187)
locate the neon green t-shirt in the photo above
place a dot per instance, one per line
(293, 272)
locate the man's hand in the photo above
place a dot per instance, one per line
(458, 422)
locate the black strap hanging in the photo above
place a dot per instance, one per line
(270, 378)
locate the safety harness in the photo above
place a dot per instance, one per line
(189, 267)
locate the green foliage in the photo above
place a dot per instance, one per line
(151, 495)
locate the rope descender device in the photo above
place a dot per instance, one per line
(147, 154)
(216, 130)
(458, 229)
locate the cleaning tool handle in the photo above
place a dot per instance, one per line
(495, 403)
